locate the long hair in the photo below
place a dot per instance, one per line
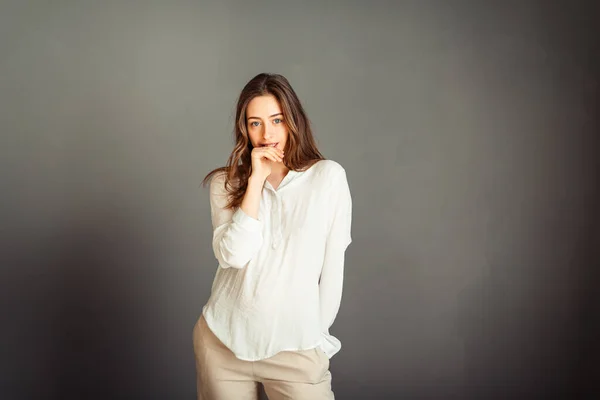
(300, 150)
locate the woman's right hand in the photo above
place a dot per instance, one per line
(262, 159)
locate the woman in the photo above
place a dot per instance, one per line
(281, 216)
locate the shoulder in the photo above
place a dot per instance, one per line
(329, 169)
(217, 183)
(218, 179)
(328, 176)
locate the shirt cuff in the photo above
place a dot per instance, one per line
(245, 221)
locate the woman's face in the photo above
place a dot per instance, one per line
(265, 124)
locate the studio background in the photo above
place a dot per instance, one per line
(468, 131)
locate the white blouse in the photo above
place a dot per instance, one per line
(278, 285)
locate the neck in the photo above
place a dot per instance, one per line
(279, 170)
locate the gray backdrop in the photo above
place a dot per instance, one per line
(468, 133)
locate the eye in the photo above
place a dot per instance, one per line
(278, 120)
(254, 122)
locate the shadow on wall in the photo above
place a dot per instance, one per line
(82, 334)
(95, 326)
(519, 340)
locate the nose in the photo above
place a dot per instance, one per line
(267, 132)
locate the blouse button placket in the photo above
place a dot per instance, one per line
(277, 218)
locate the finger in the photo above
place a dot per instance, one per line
(278, 153)
(260, 152)
(271, 151)
(270, 157)
(264, 150)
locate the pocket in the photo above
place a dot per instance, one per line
(323, 357)
(211, 342)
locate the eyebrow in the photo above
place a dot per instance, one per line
(270, 116)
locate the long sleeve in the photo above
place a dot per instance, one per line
(332, 273)
(237, 237)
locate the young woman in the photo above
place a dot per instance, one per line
(281, 217)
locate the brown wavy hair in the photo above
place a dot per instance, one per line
(300, 150)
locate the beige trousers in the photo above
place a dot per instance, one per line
(296, 375)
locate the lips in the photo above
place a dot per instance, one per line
(269, 144)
